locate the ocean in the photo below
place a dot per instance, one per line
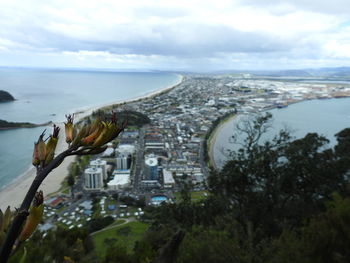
(47, 95)
(325, 117)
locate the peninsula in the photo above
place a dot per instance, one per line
(5, 125)
(5, 96)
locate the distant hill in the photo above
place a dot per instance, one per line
(4, 125)
(5, 96)
(338, 72)
(135, 118)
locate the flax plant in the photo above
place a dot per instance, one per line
(16, 227)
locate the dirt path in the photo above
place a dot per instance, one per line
(127, 220)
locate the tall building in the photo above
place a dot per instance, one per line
(93, 178)
(98, 163)
(123, 161)
(151, 168)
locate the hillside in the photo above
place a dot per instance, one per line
(5, 96)
(11, 125)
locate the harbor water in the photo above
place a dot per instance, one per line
(325, 117)
(47, 95)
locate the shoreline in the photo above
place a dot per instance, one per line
(214, 136)
(13, 193)
(80, 114)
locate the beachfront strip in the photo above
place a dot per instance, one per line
(151, 164)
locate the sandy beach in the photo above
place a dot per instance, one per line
(213, 139)
(13, 194)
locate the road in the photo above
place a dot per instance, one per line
(139, 161)
(203, 164)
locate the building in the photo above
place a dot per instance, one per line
(150, 184)
(121, 179)
(98, 163)
(55, 202)
(125, 149)
(108, 152)
(151, 168)
(123, 161)
(168, 179)
(93, 178)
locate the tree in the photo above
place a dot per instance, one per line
(70, 180)
(203, 245)
(325, 238)
(117, 253)
(277, 183)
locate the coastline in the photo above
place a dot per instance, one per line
(214, 134)
(13, 193)
(213, 137)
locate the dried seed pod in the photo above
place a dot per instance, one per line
(35, 215)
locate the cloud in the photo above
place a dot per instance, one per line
(160, 34)
(335, 7)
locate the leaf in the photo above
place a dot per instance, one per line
(1, 220)
(23, 258)
(2, 237)
(7, 218)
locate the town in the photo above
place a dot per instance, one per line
(151, 164)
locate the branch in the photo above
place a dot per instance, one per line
(21, 216)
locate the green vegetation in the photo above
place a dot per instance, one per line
(126, 234)
(75, 244)
(195, 196)
(12, 125)
(118, 222)
(272, 202)
(135, 119)
(282, 200)
(5, 96)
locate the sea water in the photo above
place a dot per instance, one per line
(47, 95)
(325, 117)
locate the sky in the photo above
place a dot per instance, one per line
(175, 35)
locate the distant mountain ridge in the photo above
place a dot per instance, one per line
(338, 72)
(5, 96)
(4, 125)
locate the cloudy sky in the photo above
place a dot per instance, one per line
(176, 34)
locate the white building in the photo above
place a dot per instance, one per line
(108, 152)
(168, 179)
(120, 180)
(98, 163)
(125, 149)
(93, 178)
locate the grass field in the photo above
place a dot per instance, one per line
(195, 196)
(127, 234)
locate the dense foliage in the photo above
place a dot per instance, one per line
(135, 118)
(282, 200)
(5, 96)
(10, 125)
(274, 201)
